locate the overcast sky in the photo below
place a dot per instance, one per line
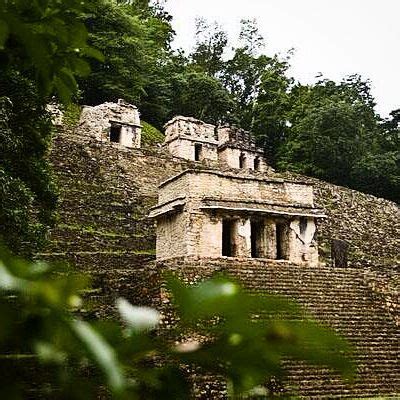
(335, 37)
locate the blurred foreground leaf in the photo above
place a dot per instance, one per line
(219, 328)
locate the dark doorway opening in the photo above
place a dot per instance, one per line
(303, 225)
(242, 161)
(281, 242)
(257, 242)
(227, 238)
(257, 164)
(115, 133)
(197, 151)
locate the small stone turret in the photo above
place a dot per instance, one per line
(237, 149)
(191, 139)
(231, 147)
(113, 122)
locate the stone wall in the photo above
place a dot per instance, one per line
(369, 224)
(210, 200)
(187, 126)
(107, 191)
(235, 187)
(230, 157)
(184, 148)
(97, 122)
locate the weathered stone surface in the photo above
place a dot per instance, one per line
(339, 253)
(195, 208)
(116, 122)
(225, 146)
(337, 297)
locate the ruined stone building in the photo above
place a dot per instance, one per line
(220, 209)
(206, 213)
(192, 139)
(112, 122)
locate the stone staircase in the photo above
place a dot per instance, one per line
(338, 298)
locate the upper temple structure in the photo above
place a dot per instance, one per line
(196, 140)
(211, 213)
(112, 122)
(208, 213)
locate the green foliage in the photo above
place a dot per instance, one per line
(335, 134)
(27, 193)
(249, 334)
(201, 96)
(46, 40)
(211, 42)
(244, 338)
(42, 50)
(260, 88)
(326, 141)
(134, 40)
(150, 134)
(329, 130)
(71, 115)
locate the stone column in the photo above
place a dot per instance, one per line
(124, 137)
(270, 234)
(243, 238)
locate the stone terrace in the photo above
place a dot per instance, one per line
(107, 191)
(339, 298)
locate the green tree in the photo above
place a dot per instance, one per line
(211, 43)
(42, 50)
(378, 171)
(46, 42)
(260, 88)
(134, 39)
(332, 127)
(199, 95)
(27, 192)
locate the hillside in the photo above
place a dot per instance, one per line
(106, 192)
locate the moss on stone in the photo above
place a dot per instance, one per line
(150, 134)
(71, 115)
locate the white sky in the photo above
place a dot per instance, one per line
(335, 37)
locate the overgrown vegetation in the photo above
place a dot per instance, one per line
(329, 130)
(218, 329)
(42, 49)
(151, 135)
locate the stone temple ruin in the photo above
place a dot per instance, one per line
(112, 122)
(192, 139)
(213, 214)
(208, 213)
(220, 209)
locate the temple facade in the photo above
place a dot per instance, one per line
(230, 147)
(112, 122)
(209, 213)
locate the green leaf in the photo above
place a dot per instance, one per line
(49, 353)
(102, 353)
(4, 32)
(93, 53)
(9, 282)
(138, 318)
(80, 67)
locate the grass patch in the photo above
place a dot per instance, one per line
(72, 113)
(94, 231)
